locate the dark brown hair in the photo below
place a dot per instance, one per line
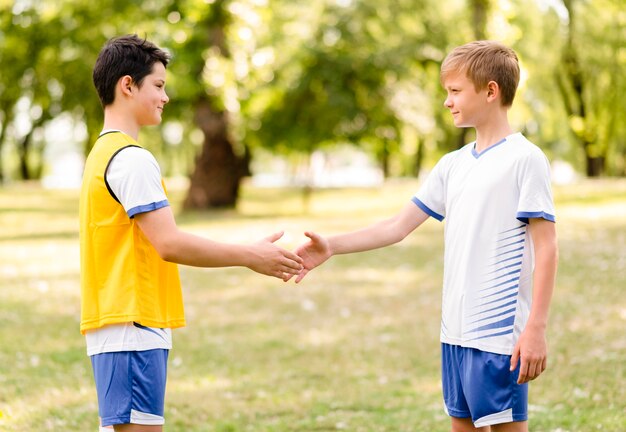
(121, 56)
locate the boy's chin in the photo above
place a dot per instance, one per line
(462, 125)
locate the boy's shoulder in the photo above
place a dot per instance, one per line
(521, 140)
(517, 147)
(525, 147)
(113, 138)
(113, 144)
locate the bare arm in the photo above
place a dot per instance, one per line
(380, 234)
(180, 247)
(531, 348)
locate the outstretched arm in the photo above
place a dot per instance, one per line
(180, 247)
(531, 348)
(389, 231)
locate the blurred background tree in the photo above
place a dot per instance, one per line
(293, 77)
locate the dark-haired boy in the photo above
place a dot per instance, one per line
(130, 244)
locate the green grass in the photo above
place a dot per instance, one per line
(354, 347)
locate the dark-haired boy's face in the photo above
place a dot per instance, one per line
(465, 103)
(150, 98)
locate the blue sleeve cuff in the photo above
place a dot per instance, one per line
(147, 208)
(525, 216)
(428, 211)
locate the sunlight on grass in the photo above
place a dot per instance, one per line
(353, 347)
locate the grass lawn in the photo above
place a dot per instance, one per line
(354, 347)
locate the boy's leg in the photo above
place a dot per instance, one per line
(466, 425)
(521, 426)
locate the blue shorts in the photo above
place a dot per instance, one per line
(131, 386)
(480, 385)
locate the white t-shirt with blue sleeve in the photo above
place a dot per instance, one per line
(486, 200)
(134, 176)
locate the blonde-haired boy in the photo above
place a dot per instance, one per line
(500, 245)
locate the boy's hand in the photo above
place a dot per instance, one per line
(271, 260)
(313, 253)
(531, 350)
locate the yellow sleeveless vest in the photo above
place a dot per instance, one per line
(123, 278)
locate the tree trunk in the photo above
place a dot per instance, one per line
(419, 158)
(575, 105)
(383, 157)
(2, 137)
(218, 170)
(480, 12)
(23, 153)
(594, 165)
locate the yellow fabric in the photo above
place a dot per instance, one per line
(123, 279)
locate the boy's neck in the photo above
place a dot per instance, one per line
(118, 121)
(492, 133)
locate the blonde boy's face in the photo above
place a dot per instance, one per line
(466, 105)
(150, 99)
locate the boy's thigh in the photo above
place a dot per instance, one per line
(131, 387)
(479, 385)
(465, 425)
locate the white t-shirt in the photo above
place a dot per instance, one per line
(134, 176)
(486, 199)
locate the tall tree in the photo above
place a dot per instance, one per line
(571, 83)
(590, 79)
(62, 39)
(201, 58)
(480, 16)
(349, 80)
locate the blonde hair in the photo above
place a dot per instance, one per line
(484, 61)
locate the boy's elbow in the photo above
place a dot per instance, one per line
(166, 250)
(555, 249)
(400, 232)
(167, 255)
(556, 255)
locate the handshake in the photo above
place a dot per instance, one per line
(269, 259)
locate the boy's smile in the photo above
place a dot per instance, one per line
(465, 103)
(151, 97)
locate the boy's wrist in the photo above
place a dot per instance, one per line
(247, 255)
(333, 245)
(537, 325)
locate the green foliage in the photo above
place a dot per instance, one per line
(297, 75)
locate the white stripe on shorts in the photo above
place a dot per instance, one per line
(505, 416)
(138, 417)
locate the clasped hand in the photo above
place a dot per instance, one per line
(312, 254)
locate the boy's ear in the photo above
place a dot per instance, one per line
(125, 84)
(493, 90)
